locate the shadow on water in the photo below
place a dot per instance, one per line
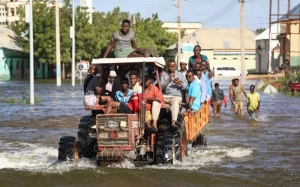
(241, 151)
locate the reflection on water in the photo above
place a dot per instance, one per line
(241, 151)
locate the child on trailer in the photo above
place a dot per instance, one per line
(153, 99)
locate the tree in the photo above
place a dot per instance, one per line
(258, 31)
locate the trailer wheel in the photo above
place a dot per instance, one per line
(68, 149)
(86, 145)
(200, 141)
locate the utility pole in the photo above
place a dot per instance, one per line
(242, 30)
(31, 58)
(73, 43)
(58, 71)
(179, 34)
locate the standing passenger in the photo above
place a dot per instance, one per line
(194, 93)
(197, 57)
(183, 68)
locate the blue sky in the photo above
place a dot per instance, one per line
(205, 11)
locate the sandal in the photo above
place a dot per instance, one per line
(152, 130)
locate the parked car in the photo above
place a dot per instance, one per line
(227, 71)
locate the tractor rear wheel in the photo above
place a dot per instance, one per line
(68, 149)
(86, 144)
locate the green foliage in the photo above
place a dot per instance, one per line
(91, 39)
(259, 31)
(26, 98)
(12, 100)
(292, 76)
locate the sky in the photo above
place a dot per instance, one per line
(211, 13)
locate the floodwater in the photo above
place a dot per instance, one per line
(240, 152)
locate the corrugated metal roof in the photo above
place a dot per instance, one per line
(275, 30)
(7, 39)
(214, 38)
(294, 14)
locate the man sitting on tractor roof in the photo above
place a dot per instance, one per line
(173, 83)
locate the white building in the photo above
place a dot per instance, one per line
(88, 4)
(8, 11)
(262, 43)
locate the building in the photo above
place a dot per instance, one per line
(222, 47)
(188, 27)
(9, 10)
(14, 63)
(88, 4)
(289, 36)
(262, 50)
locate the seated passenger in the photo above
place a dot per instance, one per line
(153, 98)
(122, 97)
(96, 88)
(91, 74)
(136, 99)
(117, 83)
(111, 79)
(194, 93)
(172, 83)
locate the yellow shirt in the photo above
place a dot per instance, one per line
(252, 100)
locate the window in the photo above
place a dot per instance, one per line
(231, 68)
(12, 11)
(226, 68)
(220, 68)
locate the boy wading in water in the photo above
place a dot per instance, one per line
(253, 102)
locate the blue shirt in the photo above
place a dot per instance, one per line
(194, 91)
(120, 97)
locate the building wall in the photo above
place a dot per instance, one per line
(262, 56)
(295, 44)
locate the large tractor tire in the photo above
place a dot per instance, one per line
(170, 142)
(86, 144)
(68, 149)
(164, 148)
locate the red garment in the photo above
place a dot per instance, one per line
(225, 100)
(134, 103)
(153, 93)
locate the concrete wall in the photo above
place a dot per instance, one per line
(262, 56)
(295, 44)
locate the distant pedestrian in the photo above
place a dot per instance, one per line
(231, 96)
(253, 102)
(238, 98)
(217, 98)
